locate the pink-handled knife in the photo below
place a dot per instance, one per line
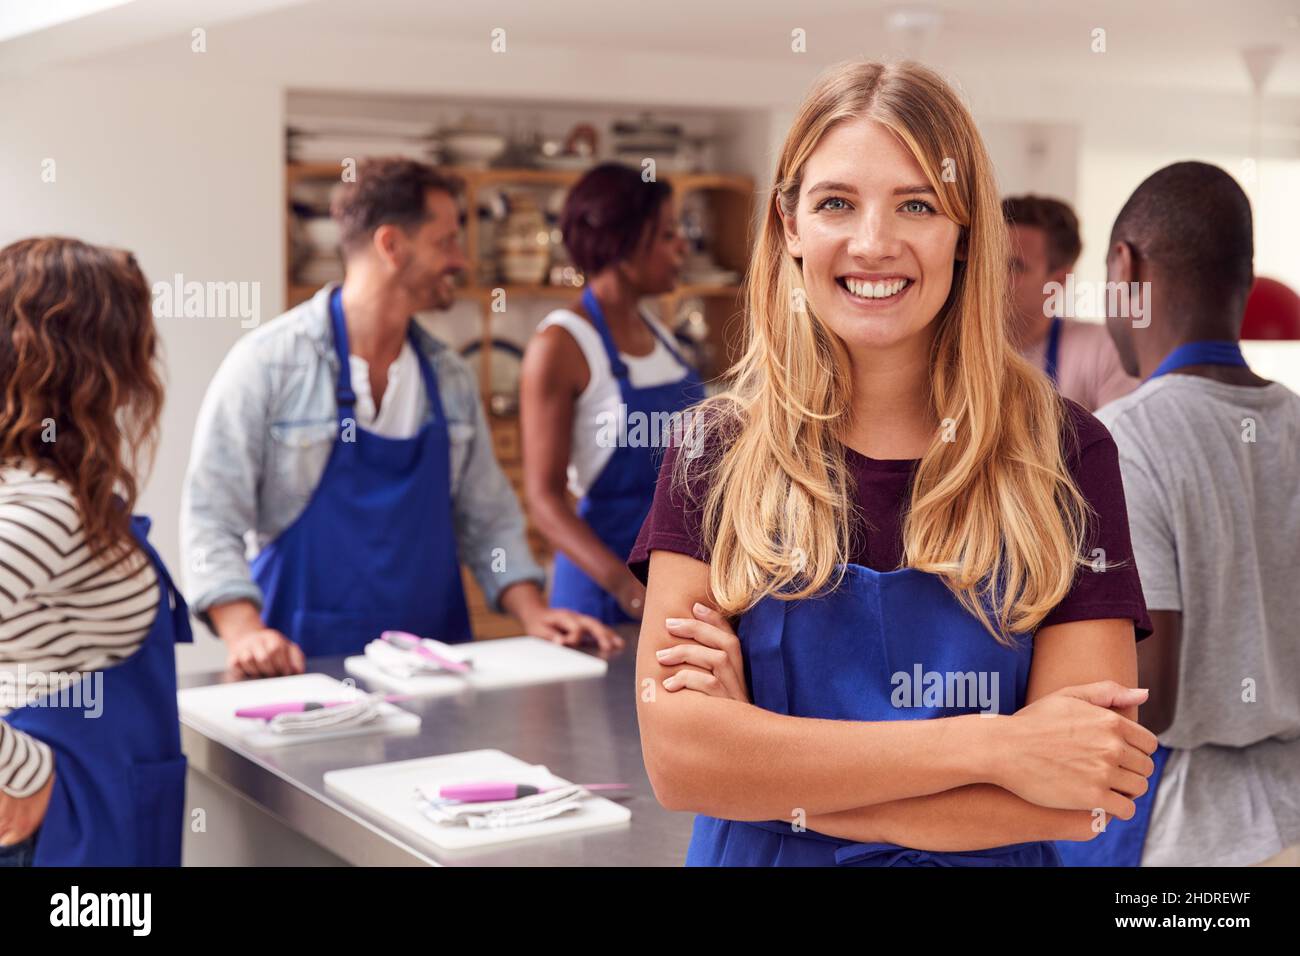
(485, 791)
(410, 642)
(267, 711)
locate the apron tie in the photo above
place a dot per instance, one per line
(891, 854)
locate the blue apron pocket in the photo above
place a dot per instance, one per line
(158, 797)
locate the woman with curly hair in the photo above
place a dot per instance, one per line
(91, 771)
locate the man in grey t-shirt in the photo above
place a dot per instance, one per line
(1210, 456)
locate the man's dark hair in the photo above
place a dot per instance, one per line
(607, 213)
(387, 191)
(1193, 221)
(1055, 218)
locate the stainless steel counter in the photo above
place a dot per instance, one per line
(583, 730)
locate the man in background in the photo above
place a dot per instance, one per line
(1077, 356)
(1210, 457)
(354, 447)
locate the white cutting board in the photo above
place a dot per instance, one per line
(504, 662)
(388, 791)
(213, 708)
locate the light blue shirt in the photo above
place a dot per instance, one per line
(265, 432)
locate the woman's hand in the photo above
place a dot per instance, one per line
(1069, 750)
(524, 600)
(630, 595)
(252, 648)
(263, 652)
(20, 816)
(709, 654)
(562, 626)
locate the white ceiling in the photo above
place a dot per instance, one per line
(1178, 43)
(1181, 44)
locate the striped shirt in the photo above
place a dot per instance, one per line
(64, 611)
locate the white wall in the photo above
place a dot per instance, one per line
(178, 156)
(185, 173)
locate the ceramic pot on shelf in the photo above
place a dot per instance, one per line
(523, 242)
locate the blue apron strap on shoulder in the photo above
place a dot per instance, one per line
(616, 365)
(1052, 357)
(343, 391)
(170, 593)
(672, 349)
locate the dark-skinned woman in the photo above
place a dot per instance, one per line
(599, 381)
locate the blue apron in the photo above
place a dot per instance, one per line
(616, 504)
(856, 653)
(119, 775)
(1052, 354)
(1123, 840)
(375, 548)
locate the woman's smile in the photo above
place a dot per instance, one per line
(874, 295)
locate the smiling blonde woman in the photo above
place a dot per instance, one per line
(923, 550)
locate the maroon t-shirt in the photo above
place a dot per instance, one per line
(883, 494)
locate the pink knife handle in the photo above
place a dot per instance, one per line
(414, 643)
(483, 791)
(267, 711)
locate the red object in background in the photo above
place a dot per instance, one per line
(1272, 311)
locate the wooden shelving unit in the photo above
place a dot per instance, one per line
(731, 199)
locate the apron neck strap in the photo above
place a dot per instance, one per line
(172, 599)
(672, 349)
(616, 363)
(1206, 352)
(347, 398)
(343, 390)
(1053, 351)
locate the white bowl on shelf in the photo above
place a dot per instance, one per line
(472, 149)
(322, 232)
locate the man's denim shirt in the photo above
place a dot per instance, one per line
(265, 432)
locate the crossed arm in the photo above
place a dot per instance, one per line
(956, 783)
(984, 815)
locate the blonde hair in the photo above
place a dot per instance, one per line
(995, 512)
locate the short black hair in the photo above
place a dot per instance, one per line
(388, 190)
(1194, 223)
(607, 213)
(1055, 218)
